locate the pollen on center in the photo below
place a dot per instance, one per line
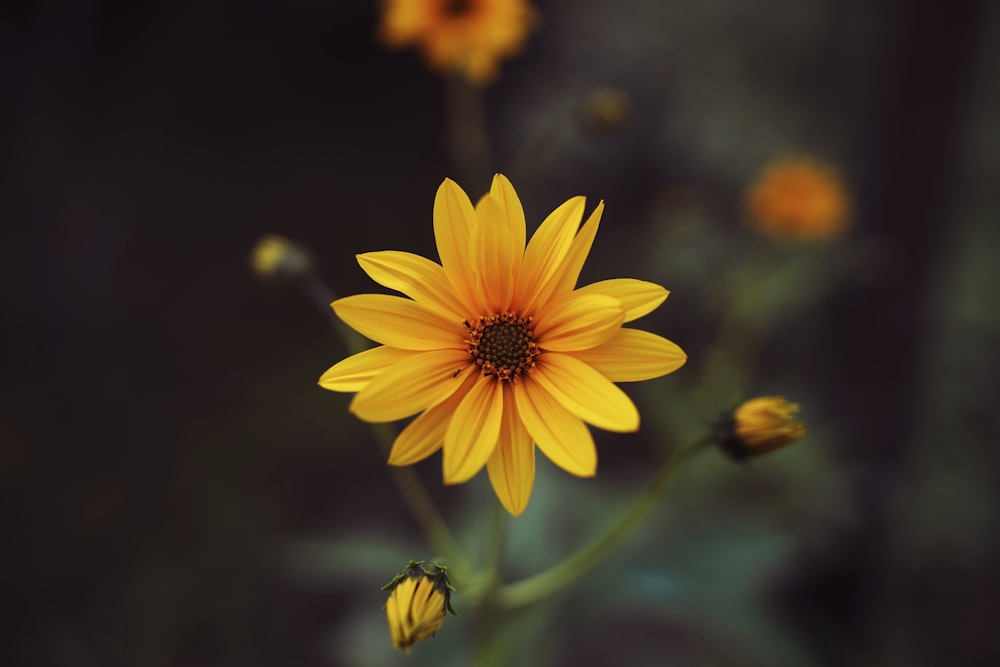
(503, 346)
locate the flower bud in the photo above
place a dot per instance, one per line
(275, 257)
(759, 426)
(421, 593)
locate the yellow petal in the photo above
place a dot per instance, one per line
(579, 322)
(512, 466)
(417, 277)
(585, 392)
(503, 192)
(569, 272)
(545, 252)
(637, 297)
(355, 372)
(454, 219)
(631, 355)
(425, 434)
(399, 322)
(492, 248)
(561, 436)
(410, 386)
(473, 431)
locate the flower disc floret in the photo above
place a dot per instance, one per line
(503, 345)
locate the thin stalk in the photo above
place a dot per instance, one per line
(412, 490)
(467, 131)
(545, 583)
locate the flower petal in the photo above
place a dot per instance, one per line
(503, 192)
(492, 248)
(454, 219)
(545, 252)
(631, 355)
(473, 431)
(417, 277)
(561, 436)
(355, 372)
(586, 393)
(579, 323)
(410, 386)
(637, 297)
(512, 466)
(399, 322)
(425, 434)
(569, 271)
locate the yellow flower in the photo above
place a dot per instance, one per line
(798, 200)
(466, 36)
(416, 607)
(759, 426)
(495, 348)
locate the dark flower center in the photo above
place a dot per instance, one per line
(502, 345)
(457, 7)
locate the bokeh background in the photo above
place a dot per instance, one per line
(176, 490)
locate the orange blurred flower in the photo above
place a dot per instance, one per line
(798, 199)
(465, 36)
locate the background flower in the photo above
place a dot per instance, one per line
(465, 36)
(798, 199)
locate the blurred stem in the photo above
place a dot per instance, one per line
(415, 495)
(486, 581)
(420, 503)
(497, 539)
(321, 295)
(467, 131)
(486, 651)
(545, 583)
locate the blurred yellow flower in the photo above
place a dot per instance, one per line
(798, 199)
(495, 349)
(416, 607)
(275, 256)
(465, 36)
(759, 426)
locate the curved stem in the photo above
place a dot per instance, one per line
(421, 505)
(545, 583)
(415, 495)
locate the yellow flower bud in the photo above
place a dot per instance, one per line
(759, 426)
(421, 594)
(276, 257)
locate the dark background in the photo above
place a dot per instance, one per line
(162, 439)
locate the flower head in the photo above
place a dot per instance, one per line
(759, 426)
(798, 200)
(466, 36)
(416, 607)
(495, 349)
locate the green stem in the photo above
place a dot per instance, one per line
(467, 131)
(497, 539)
(420, 503)
(545, 583)
(415, 495)
(485, 582)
